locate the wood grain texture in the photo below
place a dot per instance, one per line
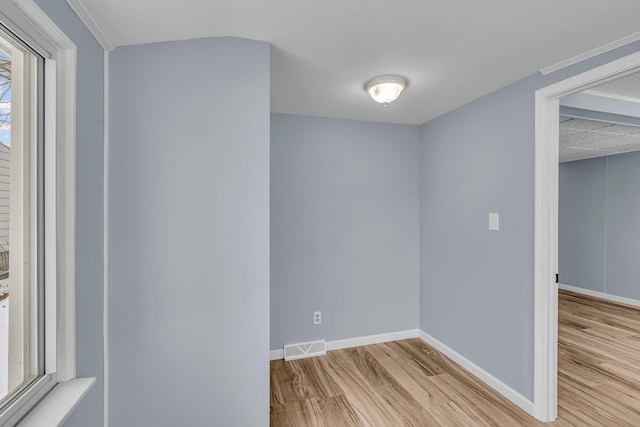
(409, 383)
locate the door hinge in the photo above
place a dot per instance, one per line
(557, 278)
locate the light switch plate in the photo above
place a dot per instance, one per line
(494, 221)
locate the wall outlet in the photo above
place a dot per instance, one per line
(317, 317)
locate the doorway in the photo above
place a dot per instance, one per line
(547, 111)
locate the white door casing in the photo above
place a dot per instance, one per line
(546, 225)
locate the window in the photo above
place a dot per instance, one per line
(21, 215)
(38, 139)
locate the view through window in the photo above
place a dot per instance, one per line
(21, 346)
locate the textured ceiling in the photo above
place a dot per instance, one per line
(450, 51)
(584, 139)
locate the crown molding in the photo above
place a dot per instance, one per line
(591, 53)
(87, 19)
(612, 96)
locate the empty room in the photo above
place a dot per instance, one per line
(245, 213)
(598, 229)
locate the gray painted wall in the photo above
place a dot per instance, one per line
(476, 293)
(345, 200)
(600, 116)
(581, 223)
(166, 302)
(622, 270)
(599, 226)
(89, 208)
(601, 104)
(476, 286)
(189, 234)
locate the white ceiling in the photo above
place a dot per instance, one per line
(450, 51)
(584, 139)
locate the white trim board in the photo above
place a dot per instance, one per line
(59, 403)
(358, 341)
(591, 53)
(276, 354)
(484, 376)
(601, 295)
(105, 248)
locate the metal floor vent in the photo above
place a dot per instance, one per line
(302, 350)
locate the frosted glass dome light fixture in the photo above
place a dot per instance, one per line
(385, 89)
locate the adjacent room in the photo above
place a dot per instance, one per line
(599, 231)
(248, 213)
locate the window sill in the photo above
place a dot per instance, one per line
(58, 404)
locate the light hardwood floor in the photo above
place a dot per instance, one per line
(409, 383)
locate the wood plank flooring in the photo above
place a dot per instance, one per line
(409, 383)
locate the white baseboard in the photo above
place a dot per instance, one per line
(358, 341)
(515, 397)
(372, 339)
(276, 354)
(601, 295)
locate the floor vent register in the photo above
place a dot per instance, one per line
(304, 350)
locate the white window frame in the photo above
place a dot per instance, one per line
(59, 383)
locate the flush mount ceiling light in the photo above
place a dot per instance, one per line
(385, 89)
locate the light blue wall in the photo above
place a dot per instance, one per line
(622, 269)
(476, 292)
(599, 116)
(345, 200)
(476, 286)
(189, 234)
(581, 219)
(599, 225)
(601, 104)
(191, 171)
(89, 208)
